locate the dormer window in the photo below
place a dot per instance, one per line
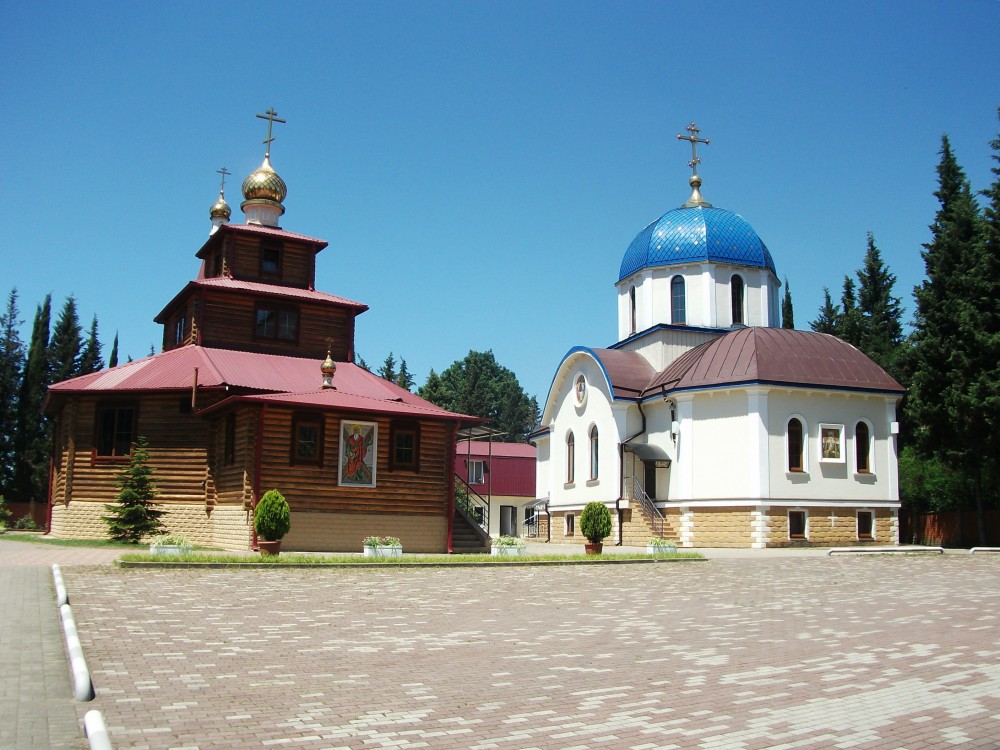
(270, 258)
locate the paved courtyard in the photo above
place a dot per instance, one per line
(774, 652)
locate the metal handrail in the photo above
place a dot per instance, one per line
(647, 504)
(470, 500)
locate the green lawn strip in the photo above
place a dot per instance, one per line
(357, 561)
(14, 536)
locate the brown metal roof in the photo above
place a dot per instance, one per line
(629, 372)
(774, 355)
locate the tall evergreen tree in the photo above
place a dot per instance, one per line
(388, 369)
(66, 343)
(31, 443)
(787, 313)
(90, 357)
(11, 368)
(113, 359)
(403, 378)
(849, 324)
(941, 398)
(881, 313)
(829, 314)
(360, 362)
(136, 515)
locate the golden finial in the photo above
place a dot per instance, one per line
(329, 367)
(695, 180)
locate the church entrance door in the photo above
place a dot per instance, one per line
(649, 479)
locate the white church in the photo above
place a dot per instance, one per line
(707, 423)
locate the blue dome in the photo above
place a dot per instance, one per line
(699, 233)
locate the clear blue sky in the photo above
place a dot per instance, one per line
(477, 168)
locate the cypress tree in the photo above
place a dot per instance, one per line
(403, 378)
(849, 323)
(829, 314)
(90, 357)
(388, 369)
(66, 343)
(31, 443)
(113, 359)
(11, 368)
(787, 313)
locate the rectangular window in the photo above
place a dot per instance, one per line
(405, 447)
(307, 439)
(796, 524)
(866, 525)
(179, 332)
(477, 472)
(229, 450)
(115, 431)
(277, 323)
(570, 524)
(270, 258)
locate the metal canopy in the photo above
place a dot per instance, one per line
(649, 454)
(479, 432)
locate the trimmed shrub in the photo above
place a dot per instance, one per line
(595, 522)
(272, 518)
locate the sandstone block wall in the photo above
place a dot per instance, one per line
(833, 527)
(316, 531)
(724, 527)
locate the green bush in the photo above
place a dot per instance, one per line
(26, 523)
(4, 512)
(595, 522)
(271, 517)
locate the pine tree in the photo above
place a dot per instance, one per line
(881, 314)
(360, 362)
(403, 378)
(66, 343)
(787, 313)
(11, 368)
(90, 357)
(113, 359)
(942, 396)
(136, 515)
(388, 369)
(849, 324)
(31, 453)
(829, 314)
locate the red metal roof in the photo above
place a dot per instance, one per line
(277, 379)
(774, 355)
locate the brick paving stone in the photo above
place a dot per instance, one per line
(887, 652)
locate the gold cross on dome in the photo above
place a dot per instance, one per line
(272, 117)
(693, 129)
(222, 183)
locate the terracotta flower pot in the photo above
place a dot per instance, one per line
(594, 549)
(269, 548)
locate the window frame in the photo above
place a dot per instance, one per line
(678, 282)
(475, 471)
(870, 537)
(631, 308)
(826, 434)
(737, 299)
(869, 454)
(277, 311)
(400, 430)
(804, 535)
(569, 524)
(180, 326)
(570, 458)
(595, 463)
(115, 455)
(300, 420)
(803, 445)
(263, 265)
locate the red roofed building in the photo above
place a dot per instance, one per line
(256, 388)
(500, 477)
(707, 424)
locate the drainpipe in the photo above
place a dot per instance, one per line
(258, 461)
(621, 469)
(453, 451)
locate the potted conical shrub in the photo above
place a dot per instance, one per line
(271, 521)
(595, 523)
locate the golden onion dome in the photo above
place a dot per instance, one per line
(220, 209)
(264, 184)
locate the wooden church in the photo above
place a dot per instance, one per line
(256, 388)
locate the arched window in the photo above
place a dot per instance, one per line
(795, 445)
(631, 309)
(862, 448)
(593, 452)
(570, 458)
(678, 308)
(736, 290)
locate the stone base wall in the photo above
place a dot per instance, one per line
(832, 527)
(343, 532)
(558, 522)
(723, 527)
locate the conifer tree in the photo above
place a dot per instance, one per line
(787, 313)
(849, 324)
(360, 362)
(31, 442)
(113, 359)
(11, 368)
(388, 369)
(829, 314)
(64, 348)
(403, 378)
(90, 357)
(881, 314)
(136, 515)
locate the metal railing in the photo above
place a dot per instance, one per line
(474, 504)
(655, 515)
